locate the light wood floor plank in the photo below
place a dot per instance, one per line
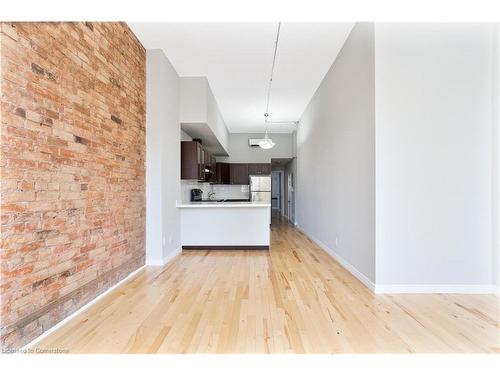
(293, 298)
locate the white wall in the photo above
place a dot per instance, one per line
(215, 120)
(336, 157)
(434, 154)
(163, 136)
(198, 105)
(241, 152)
(193, 99)
(495, 228)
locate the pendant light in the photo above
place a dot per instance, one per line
(267, 142)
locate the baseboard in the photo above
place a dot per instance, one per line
(496, 290)
(348, 266)
(434, 289)
(406, 288)
(165, 259)
(81, 309)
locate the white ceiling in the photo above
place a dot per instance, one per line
(236, 58)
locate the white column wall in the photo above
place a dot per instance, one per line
(163, 136)
(434, 85)
(335, 202)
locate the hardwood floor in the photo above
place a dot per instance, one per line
(293, 298)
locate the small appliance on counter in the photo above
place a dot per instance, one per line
(196, 195)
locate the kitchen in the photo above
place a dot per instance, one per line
(225, 177)
(225, 205)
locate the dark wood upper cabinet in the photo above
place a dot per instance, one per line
(206, 158)
(194, 161)
(190, 160)
(214, 176)
(222, 173)
(238, 173)
(259, 168)
(266, 168)
(199, 164)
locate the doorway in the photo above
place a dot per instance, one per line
(277, 191)
(282, 188)
(290, 196)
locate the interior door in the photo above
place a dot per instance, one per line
(275, 190)
(290, 198)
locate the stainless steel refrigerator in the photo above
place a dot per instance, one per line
(260, 188)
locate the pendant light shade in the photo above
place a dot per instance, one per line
(266, 143)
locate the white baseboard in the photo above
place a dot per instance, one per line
(434, 289)
(348, 266)
(406, 288)
(165, 260)
(82, 309)
(496, 290)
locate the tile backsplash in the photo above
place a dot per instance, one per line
(231, 191)
(220, 191)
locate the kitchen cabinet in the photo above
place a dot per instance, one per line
(213, 169)
(206, 158)
(191, 158)
(225, 225)
(198, 164)
(210, 165)
(195, 161)
(238, 173)
(210, 162)
(222, 173)
(259, 168)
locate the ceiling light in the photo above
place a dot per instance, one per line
(266, 143)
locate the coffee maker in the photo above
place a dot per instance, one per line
(196, 195)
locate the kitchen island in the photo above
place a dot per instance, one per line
(225, 225)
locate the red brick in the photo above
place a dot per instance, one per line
(70, 94)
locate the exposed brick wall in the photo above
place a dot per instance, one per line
(72, 169)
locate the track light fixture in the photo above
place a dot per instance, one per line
(267, 142)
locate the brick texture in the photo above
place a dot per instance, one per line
(72, 169)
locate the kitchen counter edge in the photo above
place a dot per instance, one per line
(221, 204)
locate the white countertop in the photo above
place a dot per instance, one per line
(216, 204)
